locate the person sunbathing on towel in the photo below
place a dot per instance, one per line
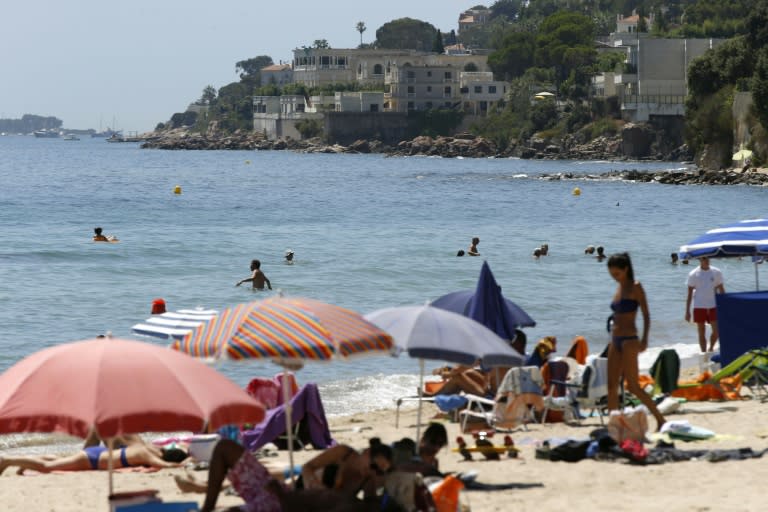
(129, 451)
(461, 378)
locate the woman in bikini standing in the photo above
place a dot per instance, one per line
(625, 343)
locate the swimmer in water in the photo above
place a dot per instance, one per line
(473, 248)
(257, 278)
(99, 237)
(289, 257)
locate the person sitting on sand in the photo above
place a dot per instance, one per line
(338, 473)
(434, 438)
(473, 247)
(257, 278)
(544, 348)
(129, 451)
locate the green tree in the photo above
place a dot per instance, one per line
(507, 8)
(209, 94)
(514, 57)
(360, 27)
(565, 41)
(406, 34)
(321, 44)
(759, 86)
(438, 46)
(250, 68)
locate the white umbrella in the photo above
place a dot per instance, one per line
(428, 332)
(176, 324)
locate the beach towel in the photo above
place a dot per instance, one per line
(666, 370)
(306, 406)
(579, 350)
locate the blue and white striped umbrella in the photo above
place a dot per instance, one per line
(175, 324)
(744, 238)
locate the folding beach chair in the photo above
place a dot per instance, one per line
(518, 395)
(560, 382)
(592, 393)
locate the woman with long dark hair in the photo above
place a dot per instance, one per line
(625, 342)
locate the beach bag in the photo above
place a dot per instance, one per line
(632, 423)
(446, 494)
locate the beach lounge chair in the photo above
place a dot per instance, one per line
(592, 393)
(518, 395)
(726, 383)
(560, 383)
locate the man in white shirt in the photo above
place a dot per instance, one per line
(703, 282)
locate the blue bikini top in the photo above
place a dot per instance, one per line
(624, 306)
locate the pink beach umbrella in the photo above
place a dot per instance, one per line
(118, 387)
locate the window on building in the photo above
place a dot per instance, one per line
(478, 89)
(411, 90)
(411, 75)
(429, 104)
(300, 107)
(378, 70)
(374, 107)
(341, 62)
(429, 73)
(447, 90)
(448, 75)
(410, 105)
(492, 89)
(483, 106)
(429, 88)
(325, 61)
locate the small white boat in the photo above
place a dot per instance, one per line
(71, 136)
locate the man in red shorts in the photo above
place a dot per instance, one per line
(703, 282)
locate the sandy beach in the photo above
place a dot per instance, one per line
(697, 485)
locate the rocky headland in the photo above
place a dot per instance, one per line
(632, 144)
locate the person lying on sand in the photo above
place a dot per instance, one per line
(96, 456)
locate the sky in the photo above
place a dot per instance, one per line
(131, 64)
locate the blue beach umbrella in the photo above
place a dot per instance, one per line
(743, 238)
(487, 305)
(426, 332)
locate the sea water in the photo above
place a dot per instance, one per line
(368, 231)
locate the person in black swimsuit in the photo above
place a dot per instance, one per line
(625, 343)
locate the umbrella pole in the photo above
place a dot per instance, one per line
(288, 423)
(757, 277)
(421, 395)
(110, 466)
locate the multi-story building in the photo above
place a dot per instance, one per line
(322, 66)
(480, 92)
(654, 81)
(428, 82)
(277, 74)
(473, 18)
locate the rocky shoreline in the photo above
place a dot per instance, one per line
(613, 148)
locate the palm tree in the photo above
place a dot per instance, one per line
(360, 27)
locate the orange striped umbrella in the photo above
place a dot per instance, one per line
(285, 328)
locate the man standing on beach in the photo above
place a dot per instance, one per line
(703, 283)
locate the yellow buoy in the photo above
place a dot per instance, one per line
(248, 162)
(177, 189)
(576, 191)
